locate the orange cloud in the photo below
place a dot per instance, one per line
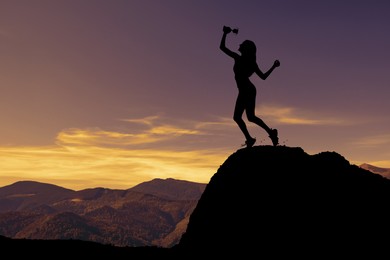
(98, 137)
(383, 163)
(294, 116)
(85, 166)
(373, 141)
(84, 158)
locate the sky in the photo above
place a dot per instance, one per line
(114, 93)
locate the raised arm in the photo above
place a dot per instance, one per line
(222, 45)
(266, 74)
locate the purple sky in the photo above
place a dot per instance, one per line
(112, 93)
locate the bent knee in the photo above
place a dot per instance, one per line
(237, 119)
(252, 118)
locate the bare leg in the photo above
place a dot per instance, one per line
(254, 119)
(250, 113)
(238, 111)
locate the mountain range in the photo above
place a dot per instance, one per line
(263, 202)
(153, 213)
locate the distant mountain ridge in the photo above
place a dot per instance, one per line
(154, 213)
(172, 189)
(385, 172)
(25, 194)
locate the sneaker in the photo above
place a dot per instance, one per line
(250, 142)
(274, 137)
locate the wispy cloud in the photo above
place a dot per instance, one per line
(373, 141)
(98, 137)
(295, 116)
(149, 120)
(80, 167)
(218, 123)
(172, 130)
(92, 157)
(382, 163)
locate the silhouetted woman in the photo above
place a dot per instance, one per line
(244, 66)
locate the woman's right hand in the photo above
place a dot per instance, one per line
(227, 29)
(277, 63)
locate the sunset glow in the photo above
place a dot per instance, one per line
(114, 93)
(90, 166)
